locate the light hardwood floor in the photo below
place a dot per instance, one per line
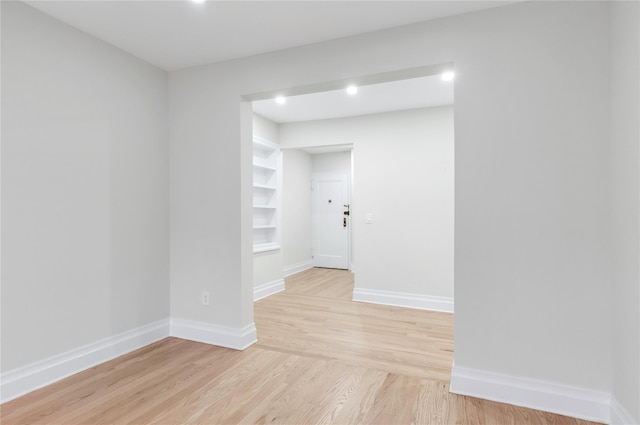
(315, 316)
(320, 359)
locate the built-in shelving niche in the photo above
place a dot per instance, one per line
(266, 193)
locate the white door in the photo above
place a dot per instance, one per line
(331, 226)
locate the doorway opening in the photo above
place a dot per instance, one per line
(391, 211)
(331, 206)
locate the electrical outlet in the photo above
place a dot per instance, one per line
(205, 298)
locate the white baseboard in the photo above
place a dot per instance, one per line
(268, 289)
(223, 336)
(297, 268)
(619, 415)
(534, 394)
(402, 299)
(23, 380)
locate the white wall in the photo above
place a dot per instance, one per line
(403, 175)
(532, 267)
(332, 162)
(85, 199)
(267, 266)
(265, 128)
(296, 207)
(625, 137)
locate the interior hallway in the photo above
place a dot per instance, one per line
(321, 358)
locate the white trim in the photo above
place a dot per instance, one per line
(17, 382)
(619, 415)
(297, 268)
(223, 336)
(23, 380)
(326, 149)
(267, 289)
(532, 393)
(265, 247)
(402, 299)
(264, 143)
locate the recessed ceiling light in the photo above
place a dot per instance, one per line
(447, 76)
(280, 100)
(198, 1)
(352, 89)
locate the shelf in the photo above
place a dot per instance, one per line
(264, 187)
(262, 151)
(263, 148)
(264, 167)
(263, 247)
(266, 195)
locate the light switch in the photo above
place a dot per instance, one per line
(368, 218)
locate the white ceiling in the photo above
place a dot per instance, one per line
(179, 34)
(393, 96)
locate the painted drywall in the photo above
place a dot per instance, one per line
(85, 178)
(404, 169)
(265, 128)
(267, 266)
(332, 162)
(296, 207)
(625, 137)
(532, 270)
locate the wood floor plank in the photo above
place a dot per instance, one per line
(320, 359)
(394, 401)
(431, 406)
(190, 400)
(400, 340)
(363, 399)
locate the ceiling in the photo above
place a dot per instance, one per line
(392, 96)
(179, 34)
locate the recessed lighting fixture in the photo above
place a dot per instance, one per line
(281, 100)
(447, 76)
(198, 1)
(352, 89)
